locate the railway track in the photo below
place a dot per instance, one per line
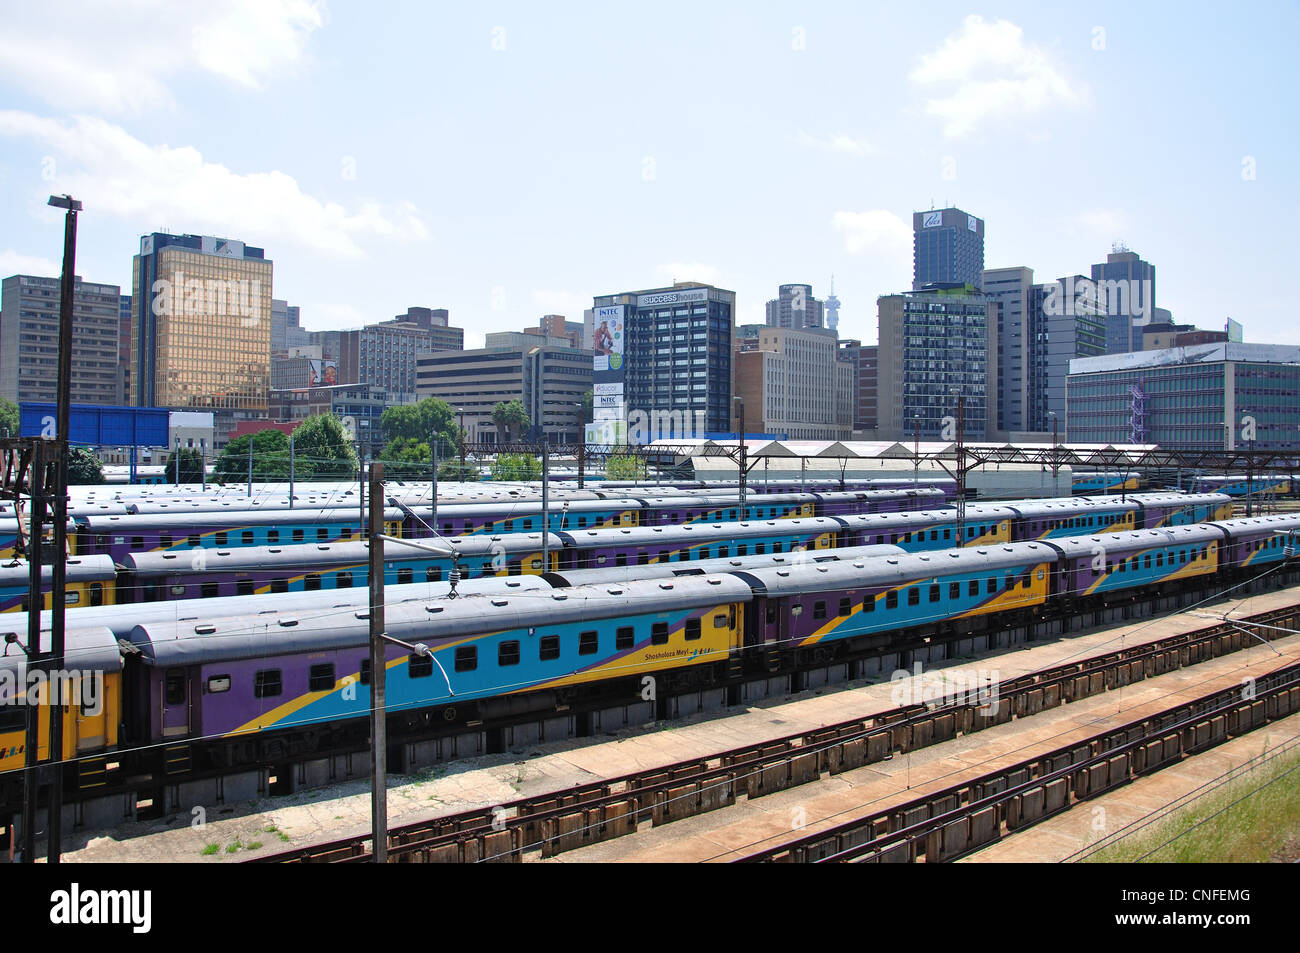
(559, 822)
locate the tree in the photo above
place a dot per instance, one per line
(625, 466)
(406, 459)
(452, 470)
(270, 458)
(191, 466)
(322, 450)
(587, 415)
(8, 418)
(411, 424)
(84, 467)
(516, 466)
(511, 419)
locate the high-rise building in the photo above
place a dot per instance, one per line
(1127, 286)
(947, 248)
(1061, 329)
(124, 349)
(286, 327)
(1203, 397)
(1010, 288)
(795, 307)
(384, 354)
(936, 347)
(675, 354)
(29, 340)
(555, 326)
(550, 381)
(793, 382)
(201, 324)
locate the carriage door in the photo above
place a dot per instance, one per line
(175, 702)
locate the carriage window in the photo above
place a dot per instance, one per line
(974, 588)
(244, 587)
(776, 547)
(322, 532)
(178, 590)
(419, 666)
(759, 549)
(692, 629)
(913, 596)
(164, 540)
(549, 648)
(137, 542)
(433, 574)
(194, 540)
(321, 678)
(723, 552)
(891, 599)
(311, 582)
(1024, 583)
(510, 526)
(992, 585)
(297, 535)
(620, 559)
(365, 671)
(954, 590)
(659, 633)
(869, 604)
(588, 643)
(466, 658)
(508, 652)
(742, 549)
(175, 688)
(272, 535)
(218, 684)
(641, 558)
(934, 592)
(771, 614)
(266, 683)
(343, 580)
(819, 609)
(247, 537)
(221, 538)
(209, 590)
(404, 576)
(624, 637)
(279, 585)
(846, 605)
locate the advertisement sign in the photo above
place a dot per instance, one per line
(608, 338)
(323, 373)
(972, 223)
(614, 388)
(672, 297)
(932, 220)
(607, 432)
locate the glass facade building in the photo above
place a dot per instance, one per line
(201, 324)
(947, 248)
(1201, 397)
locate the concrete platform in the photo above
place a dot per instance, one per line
(483, 782)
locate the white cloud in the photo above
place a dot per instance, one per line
(841, 143)
(992, 73)
(121, 58)
(12, 263)
(876, 232)
(116, 174)
(675, 271)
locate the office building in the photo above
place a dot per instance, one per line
(935, 347)
(1127, 287)
(947, 248)
(1061, 329)
(549, 380)
(555, 326)
(360, 405)
(384, 354)
(675, 354)
(1010, 289)
(795, 307)
(201, 325)
(286, 327)
(793, 382)
(29, 340)
(1201, 397)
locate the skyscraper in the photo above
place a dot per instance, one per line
(201, 324)
(794, 307)
(947, 248)
(1010, 289)
(1127, 287)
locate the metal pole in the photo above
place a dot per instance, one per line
(462, 444)
(291, 469)
(250, 464)
(35, 602)
(176, 457)
(582, 460)
(378, 698)
(433, 451)
(203, 463)
(58, 598)
(744, 460)
(546, 515)
(961, 471)
(1056, 464)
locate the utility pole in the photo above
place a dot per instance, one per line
(35, 601)
(744, 462)
(433, 453)
(177, 458)
(961, 469)
(58, 600)
(378, 699)
(916, 451)
(1056, 464)
(546, 499)
(461, 412)
(291, 469)
(250, 465)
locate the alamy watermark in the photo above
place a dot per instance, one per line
(1122, 297)
(61, 687)
(236, 297)
(977, 687)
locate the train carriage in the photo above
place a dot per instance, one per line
(1049, 519)
(924, 530)
(90, 581)
(648, 545)
(1259, 542)
(1104, 564)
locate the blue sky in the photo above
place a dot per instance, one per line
(511, 160)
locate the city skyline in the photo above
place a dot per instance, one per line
(497, 187)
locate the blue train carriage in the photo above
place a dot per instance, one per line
(491, 519)
(890, 500)
(1110, 565)
(724, 507)
(251, 689)
(91, 679)
(648, 545)
(1256, 543)
(1183, 509)
(858, 604)
(1051, 519)
(1085, 483)
(119, 536)
(90, 581)
(260, 570)
(925, 530)
(8, 537)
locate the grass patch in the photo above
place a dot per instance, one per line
(233, 848)
(1254, 818)
(211, 849)
(253, 846)
(269, 829)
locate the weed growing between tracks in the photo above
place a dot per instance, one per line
(1254, 818)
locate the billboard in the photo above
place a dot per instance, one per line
(97, 426)
(608, 339)
(323, 373)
